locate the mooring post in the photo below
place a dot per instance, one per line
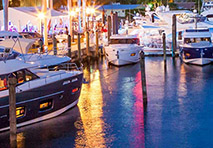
(69, 45)
(12, 81)
(54, 45)
(79, 47)
(109, 27)
(174, 42)
(41, 44)
(5, 4)
(97, 44)
(164, 49)
(87, 45)
(143, 77)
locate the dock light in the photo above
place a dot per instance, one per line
(72, 13)
(150, 5)
(90, 10)
(77, 9)
(41, 15)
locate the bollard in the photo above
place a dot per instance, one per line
(69, 46)
(143, 77)
(54, 45)
(87, 44)
(109, 27)
(79, 47)
(12, 81)
(164, 49)
(97, 44)
(174, 42)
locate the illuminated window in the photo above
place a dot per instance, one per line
(45, 105)
(20, 112)
(133, 54)
(3, 82)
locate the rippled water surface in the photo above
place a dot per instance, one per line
(110, 111)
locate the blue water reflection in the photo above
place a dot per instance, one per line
(110, 112)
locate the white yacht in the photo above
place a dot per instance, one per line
(123, 49)
(197, 47)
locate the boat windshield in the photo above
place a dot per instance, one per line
(124, 41)
(197, 40)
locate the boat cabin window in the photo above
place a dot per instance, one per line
(21, 76)
(3, 82)
(124, 41)
(196, 40)
(30, 76)
(24, 76)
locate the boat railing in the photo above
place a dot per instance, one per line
(62, 70)
(70, 66)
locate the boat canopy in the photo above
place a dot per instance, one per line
(5, 34)
(10, 66)
(22, 45)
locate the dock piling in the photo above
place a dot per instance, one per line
(174, 40)
(12, 81)
(79, 47)
(87, 45)
(164, 49)
(69, 45)
(109, 28)
(143, 77)
(54, 45)
(97, 43)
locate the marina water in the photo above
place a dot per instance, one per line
(110, 111)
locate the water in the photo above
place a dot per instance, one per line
(110, 110)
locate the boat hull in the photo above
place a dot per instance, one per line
(59, 95)
(122, 56)
(197, 56)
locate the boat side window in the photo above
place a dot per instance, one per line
(20, 76)
(3, 82)
(30, 76)
(187, 40)
(125, 41)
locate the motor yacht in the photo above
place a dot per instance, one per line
(41, 94)
(123, 49)
(196, 47)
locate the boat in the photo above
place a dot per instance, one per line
(41, 94)
(207, 9)
(196, 47)
(18, 47)
(123, 49)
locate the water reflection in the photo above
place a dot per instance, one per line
(91, 133)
